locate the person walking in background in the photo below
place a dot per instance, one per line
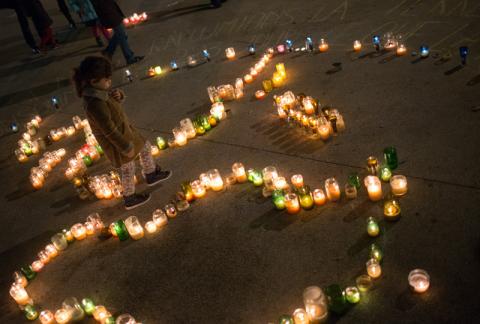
(42, 22)
(111, 16)
(85, 10)
(22, 20)
(120, 141)
(64, 9)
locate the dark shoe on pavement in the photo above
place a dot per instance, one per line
(35, 50)
(135, 200)
(99, 42)
(157, 176)
(107, 55)
(136, 59)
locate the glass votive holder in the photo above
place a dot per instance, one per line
(278, 199)
(231, 179)
(291, 203)
(79, 231)
(419, 280)
(170, 210)
(37, 265)
(159, 218)
(134, 227)
(319, 197)
(20, 295)
(46, 317)
(71, 304)
(269, 174)
(150, 227)
(374, 187)
(384, 173)
(51, 251)
(357, 46)
(300, 316)
(180, 136)
(372, 227)
(352, 294)
(376, 252)
(315, 303)
(390, 156)
(63, 316)
(187, 125)
(20, 279)
(364, 283)
(297, 180)
(280, 183)
(391, 209)
(398, 184)
(182, 204)
(267, 85)
(350, 191)
(216, 181)
(239, 171)
(198, 189)
(88, 306)
(101, 313)
(205, 179)
(332, 189)
(230, 53)
(372, 165)
(374, 270)
(125, 319)
(305, 197)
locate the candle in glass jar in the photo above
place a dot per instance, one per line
(277, 80)
(151, 227)
(180, 136)
(374, 188)
(260, 94)
(419, 280)
(37, 265)
(90, 228)
(170, 210)
(79, 231)
(319, 197)
(248, 78)
(198, 188)
(291, 203)
(324, 131)
(297, 180)
(372, 165)
(398, 183)
(218, 110)
(20, 279)
(364, 283)
(323, 45)
(374, 270)
(230, 53)
(350, 191)
(280, 183)
(308, 105)
(357, 46)
(372, 227)
(19, 294)
(332, 189)
(134, 228)
(352, 294)
(216, 181)
(46, 317)
(391, 209)
(159, 218)
(300, 316)
(51, 251)
(315, 304)
(239, 171)
(101, 313)
(401, 50)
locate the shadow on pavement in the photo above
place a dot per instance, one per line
(454, 70)
(474, 81)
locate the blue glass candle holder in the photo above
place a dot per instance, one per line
(309, 43)
(424, 51)
(463, 54)
(376, 42)
(55, 102)
(173, 65)
(289, 44)
(206, 54)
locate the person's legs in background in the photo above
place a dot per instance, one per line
(27, 33)
(64, 9)
(122, 39)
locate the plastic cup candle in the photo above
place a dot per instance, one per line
(19, 294)
(205, 179)
(401, 50)
(297, 180)
(159, 218)
(323, 45)
(419, 280)
(374, 269)
(291, 203)
(37, 265)
(151, 227)
(352, 294)
(305, 197)
(332, 189)
(278, 199)
(198, 188)
(51, 251)
(374, 188)
(43, 257)
(79, 231)
(180, 136)
(391, 209)
(372, 227)
(134, 228)
(230, 53)
(260, 94)
(315, 303)
(101, 313)
(357, 46)
(398, 184)
(239, 171)
(46, 317)
(63, 316)
(269, 174)
(216, 181)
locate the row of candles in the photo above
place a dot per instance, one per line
(45, 165)
(305, 111)
(71, 309)
(135, 19)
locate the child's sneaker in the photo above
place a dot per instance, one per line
(157, 176)
(135, 200)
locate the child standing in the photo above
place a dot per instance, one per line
(85, 10)
(121, 142)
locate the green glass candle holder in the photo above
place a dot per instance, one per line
(286, 319)
(87, 160)
(352, 294)
(257, 178)
(390, 155)
(372, 227)
(121, 230)
(110, 320)
(354, 180)
(278, 199)
(204, 122)
(28, 272)
(376, 253)
(187, 191)
(88, 306)
(30, 312)
(99, 149)
(384, 173)
(305, 197)
(199, 129)
(336, 299)
(161, 143)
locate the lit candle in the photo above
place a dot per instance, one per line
(218, 110)
(291, 203)
(154, 150)
(308, 105)
(305, 197)
(385, 173)
(357, 46)
(170, 210)
(424, 51)
(72, 305)
(398, 183)
(352, 294)
(324, 131)
(187, 125)
(277, 80)
(230, 179)
(364, 283)
(79, 231)
(180, 136)
(37, 266)
(46, 317)
(315, 304)
(281, 48)
(372, 165)
(401, 49)
(391, 209)
(297, 180)
(248, 78)
(280, 68)
(239, 171)
(323, 45)
(319, 197)
(20, 279)
(332, 189)
(376, 252)
(230, 53)
(51, 251)
(260, 94)
(280, 183)
(278, 199)
(269, 174)
(374, 269)
(101, 313)
(43, 257)
(300, 316)
(216, 182)
(198, 188)
(253, 72)
(157, 70)
(159, 218)
(37, 183)
(419, 280)
(205, 179)
(374, 188)
(151, 227)
(372, 227)
(134, 228)
(20, 295)
(70, 130)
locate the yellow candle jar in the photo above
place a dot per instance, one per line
(332, 188)
(239, 171)
(391, 209)
(291, 203)
(134, 228)
(374, 188)
(280, 67)
(277, 80)
(398, 184)
(198, 189)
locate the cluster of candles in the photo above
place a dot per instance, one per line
(306, 112)
(45, 165)
(27, 146)
(71, 310)
(278, 79)
(135, 19)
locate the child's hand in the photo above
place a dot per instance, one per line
(117, 95)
